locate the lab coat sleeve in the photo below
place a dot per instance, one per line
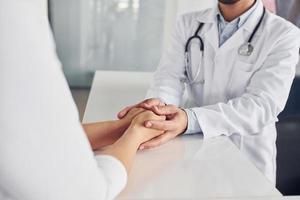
(44, 151)
(265, 96)
(168, 81)
(193, 124)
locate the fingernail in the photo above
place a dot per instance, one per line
(141, 147)
(148, 124)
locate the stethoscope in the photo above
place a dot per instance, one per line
(245, 50)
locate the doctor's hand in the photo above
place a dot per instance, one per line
(146, 104)
(137, 130)
(176, 123)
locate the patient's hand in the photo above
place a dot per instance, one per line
(101, 134)
(125, 147)
(126, 120)
(139, 132)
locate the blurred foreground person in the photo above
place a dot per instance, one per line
(44, 152)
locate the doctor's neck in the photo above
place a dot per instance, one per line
(231, 9)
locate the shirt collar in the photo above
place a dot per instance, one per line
(239, 20)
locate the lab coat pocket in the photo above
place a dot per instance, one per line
(243, 66)
(240, 78)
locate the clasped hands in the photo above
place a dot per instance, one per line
(167, 121)
(145, 125)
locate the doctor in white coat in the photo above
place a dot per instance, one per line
(240, 89)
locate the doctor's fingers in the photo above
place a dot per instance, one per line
(148, 115)
(166, 110)
(155, 142)
(161, 125)
(151, 103)
(146, 104)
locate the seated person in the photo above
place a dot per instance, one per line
(44, 151)
(237, 87)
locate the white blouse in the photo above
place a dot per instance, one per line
(44, 153)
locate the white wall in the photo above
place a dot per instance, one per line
(178, 7)
(192, 5)
(93, 35)
(298, 69)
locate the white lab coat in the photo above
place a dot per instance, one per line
(239, 96)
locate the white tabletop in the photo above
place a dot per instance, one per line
(186, 167)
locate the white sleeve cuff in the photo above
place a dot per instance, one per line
(193, 124)
(114, 172)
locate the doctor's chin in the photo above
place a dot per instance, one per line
(150, 99)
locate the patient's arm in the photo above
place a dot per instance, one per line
(124, 149)
(101, 134)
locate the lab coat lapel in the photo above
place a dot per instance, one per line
(212, 36)
(236, 40)
(253, 20)
(210, 33)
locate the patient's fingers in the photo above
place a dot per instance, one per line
(134, 112)
(160, 140)
(124, 112)
(160, 125)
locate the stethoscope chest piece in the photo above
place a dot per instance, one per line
(246, 49)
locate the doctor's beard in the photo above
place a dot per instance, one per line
(228, 1)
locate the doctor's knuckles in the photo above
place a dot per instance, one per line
(146, 104)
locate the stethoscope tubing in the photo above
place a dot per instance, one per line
(196, 36)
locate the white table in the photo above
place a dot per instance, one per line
(186, 167)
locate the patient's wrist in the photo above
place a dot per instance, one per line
(131, 137)
(121, 125)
